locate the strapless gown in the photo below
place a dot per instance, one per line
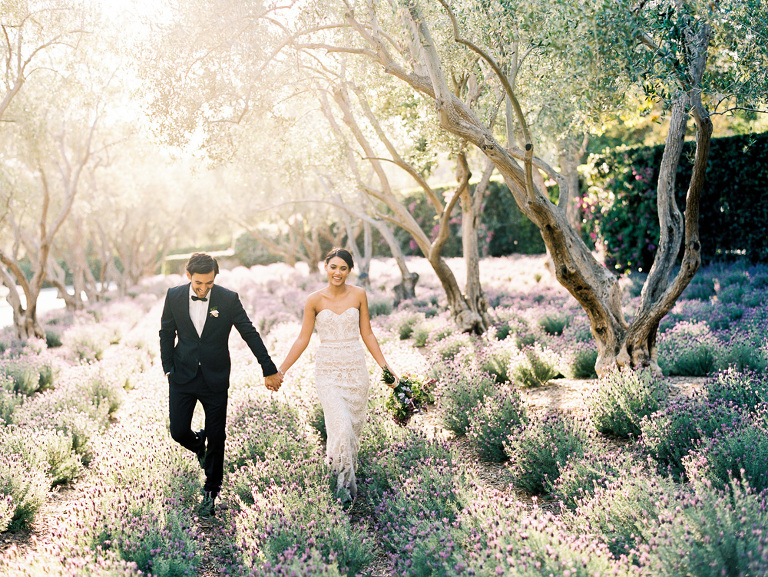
(342, 382)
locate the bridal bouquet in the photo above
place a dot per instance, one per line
(409, 396)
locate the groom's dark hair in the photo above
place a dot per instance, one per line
(201, 263)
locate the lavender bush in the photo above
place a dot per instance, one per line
(539, 451)
(511, 325)
(460, 390)
(505, 539)
(689, 349)
(404, 323)
(388, 452)
(722, 316)
(624, 507)
(23, 489)
(257, 476)
(424, 500)
(430, 548)
(700, 288)
(582, 360)
(87, 343)
(533, 366)
(28, 374)
(495, 357)
(248, 436)
(295, 562)
(744, 351)
(710, 533)
(45, 449)
(450, 346)
(622, 399)
(9, 401)
(495, 419)
(745, 389)
(283, 516)
(554, 324)
(7, 509)
(421, 335)
(144, 491)
(670, 434)
(738, 452)
(582, 475)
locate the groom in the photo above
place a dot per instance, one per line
(194, 334)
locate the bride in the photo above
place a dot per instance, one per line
(339, 312)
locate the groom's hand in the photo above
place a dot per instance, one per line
(273, 382)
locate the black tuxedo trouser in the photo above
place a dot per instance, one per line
(182, 400)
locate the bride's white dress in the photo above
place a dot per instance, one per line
(342, 381)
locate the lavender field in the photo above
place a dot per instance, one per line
(525, 464)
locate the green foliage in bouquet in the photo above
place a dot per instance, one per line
(410, 396)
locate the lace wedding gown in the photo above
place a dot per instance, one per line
(342, 381)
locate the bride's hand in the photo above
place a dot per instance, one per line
(387, 374)
(397, 380)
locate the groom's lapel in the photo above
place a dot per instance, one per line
(211, 306)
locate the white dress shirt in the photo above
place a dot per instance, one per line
(198, 310)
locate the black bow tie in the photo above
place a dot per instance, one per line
(204, 299)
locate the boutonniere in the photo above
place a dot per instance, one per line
(214, 312)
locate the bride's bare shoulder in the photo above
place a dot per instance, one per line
(314, 299)
(359, 293)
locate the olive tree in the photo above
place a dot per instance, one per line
(661, 49)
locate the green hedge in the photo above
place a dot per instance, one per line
(620, 201)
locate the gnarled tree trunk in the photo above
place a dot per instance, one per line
(25, 320)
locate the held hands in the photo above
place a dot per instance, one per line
(273, 382)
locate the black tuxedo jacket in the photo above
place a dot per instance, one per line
(182, 350)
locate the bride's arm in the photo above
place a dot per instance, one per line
(301, 342)
(366, 332)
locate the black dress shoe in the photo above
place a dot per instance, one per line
(201, 451)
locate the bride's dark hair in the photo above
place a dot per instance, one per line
(343, 254)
